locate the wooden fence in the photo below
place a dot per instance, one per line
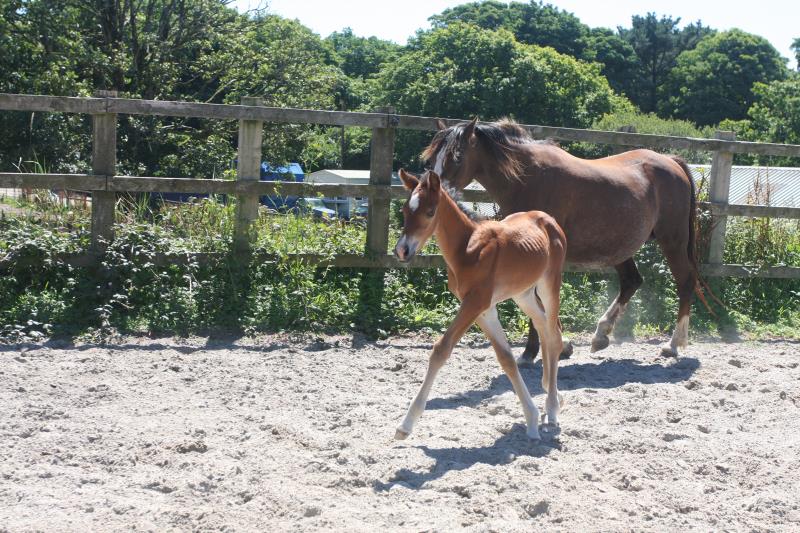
(105, 183)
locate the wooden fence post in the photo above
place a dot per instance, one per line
(718, 192)
(248, 169)
(104, 162)
(381, 158)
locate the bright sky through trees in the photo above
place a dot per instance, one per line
(397, 20)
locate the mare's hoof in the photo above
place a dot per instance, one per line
(599, 343)
(566, 350)
(401, 434)
(668, 351)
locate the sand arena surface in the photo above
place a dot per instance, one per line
(294, 434)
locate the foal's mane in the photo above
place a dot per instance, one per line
(502, 139)
(457, 198)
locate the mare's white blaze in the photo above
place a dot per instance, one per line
(413, 204)
(438, 166)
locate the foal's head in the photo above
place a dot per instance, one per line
(419, 213)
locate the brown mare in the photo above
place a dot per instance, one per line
(521, 257)
(607, 207)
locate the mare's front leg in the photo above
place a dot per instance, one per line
(471, 307)
(629, 281)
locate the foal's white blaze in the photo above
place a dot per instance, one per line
(438, 166)
(413, 204)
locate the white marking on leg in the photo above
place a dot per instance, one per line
(413, 204)
(490, 324)
(680, 337)
(417, 406)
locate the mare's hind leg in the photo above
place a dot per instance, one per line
(532, 347)
(629, 281)
(683, 272)
(491, 327)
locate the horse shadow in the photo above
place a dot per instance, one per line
(504, 450)
(608, 374)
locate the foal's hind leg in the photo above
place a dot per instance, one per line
(544, 314)
(491, 327)
(683, 272)
(629, 281)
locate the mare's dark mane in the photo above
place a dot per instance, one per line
(502, 139)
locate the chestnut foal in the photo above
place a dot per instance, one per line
(520, 257)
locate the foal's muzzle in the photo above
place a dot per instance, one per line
(405, 250)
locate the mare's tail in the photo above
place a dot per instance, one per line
(691, 248)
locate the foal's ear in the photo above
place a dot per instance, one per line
(434, 183)
(410, 181)
(440, 125)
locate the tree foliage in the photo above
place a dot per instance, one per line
(657, 43)
(531, 60)
(715, 80)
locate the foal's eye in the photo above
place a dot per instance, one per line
(431, 212)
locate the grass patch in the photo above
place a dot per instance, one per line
(127, 293)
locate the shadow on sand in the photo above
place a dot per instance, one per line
(607, 374)
(504, 450)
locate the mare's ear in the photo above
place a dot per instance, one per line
(434, 183)
(469, 131)
(440, 125)
(410, 181)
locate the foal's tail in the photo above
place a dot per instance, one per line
(691, 247)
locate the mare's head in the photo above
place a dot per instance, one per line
(461, 153)
(419, 213)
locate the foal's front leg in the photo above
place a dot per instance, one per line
(490, 324)
(471, 308)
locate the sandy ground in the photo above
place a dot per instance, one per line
(295, 434)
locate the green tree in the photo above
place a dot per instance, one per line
(657, 43)
(462, 70)
(360, 57)
(715, 80)
(531, 23)
(615, 55)
(796, 48)
(775, 115)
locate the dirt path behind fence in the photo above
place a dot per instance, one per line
(281, 434)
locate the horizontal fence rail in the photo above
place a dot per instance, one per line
(135, 184)
(105, 107)
(38, 103)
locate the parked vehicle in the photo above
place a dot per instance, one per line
(316, 207)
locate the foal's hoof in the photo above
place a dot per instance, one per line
(401, 434)
(525, 359)
(599, 343)
(566, 350)
(533, 435)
